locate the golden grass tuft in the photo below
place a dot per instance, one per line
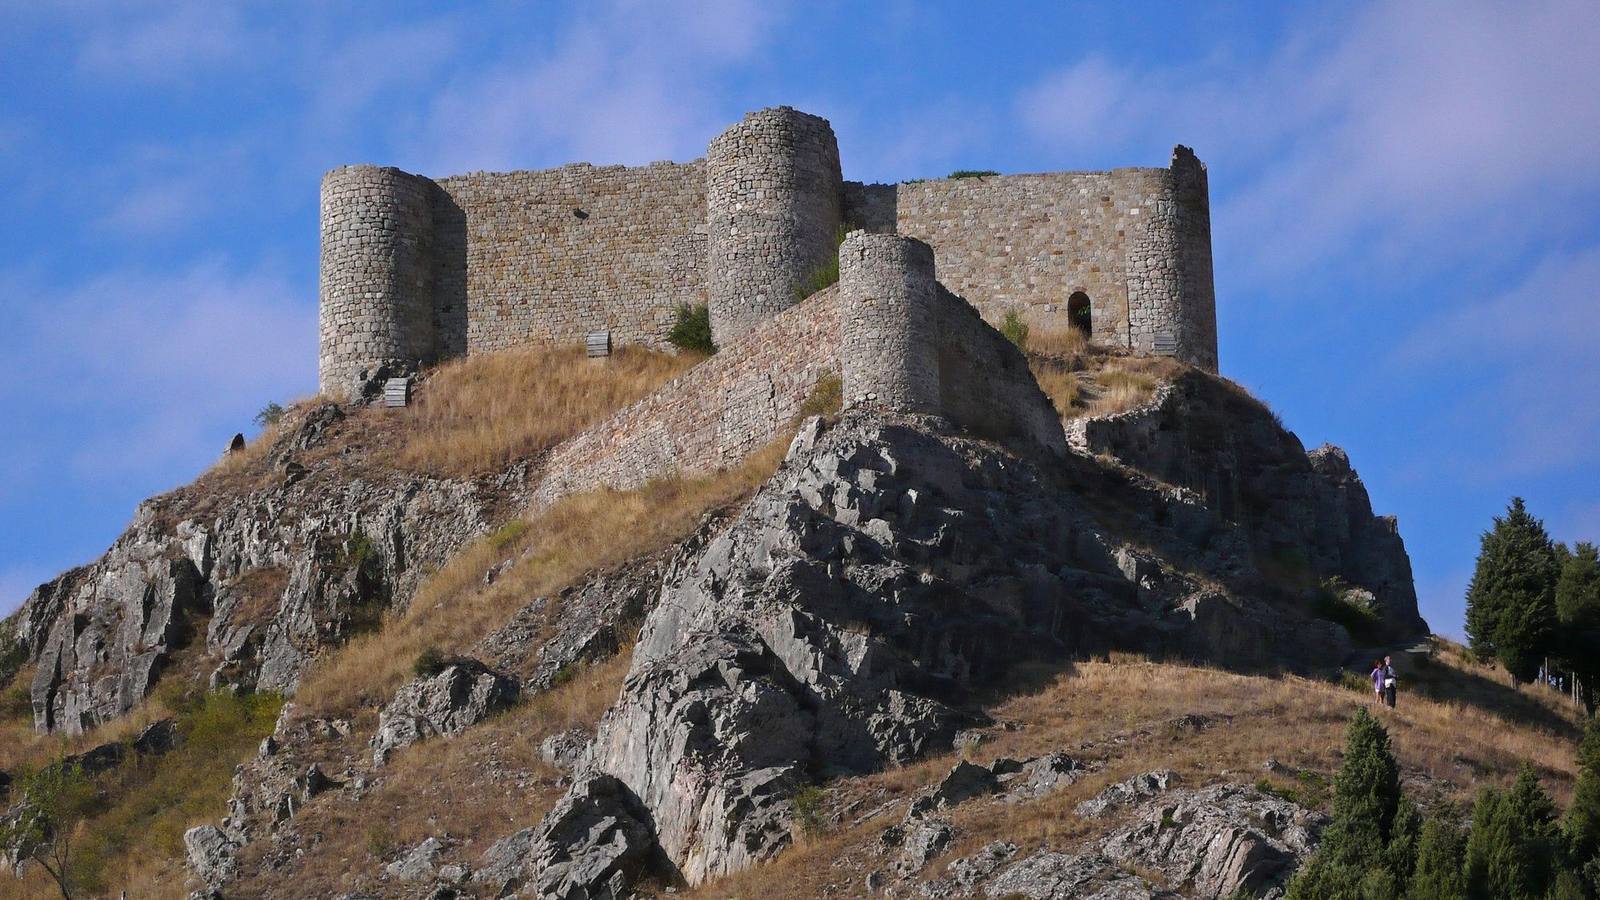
(582, 533)
(1083, 378)
(478, 414)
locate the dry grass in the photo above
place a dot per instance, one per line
(1120, 716)
(583, 533)
(1082, 378)
(475, 788)
(478, 414)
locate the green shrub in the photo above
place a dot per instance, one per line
(507, 534)
(1015, 330)
(827, 274)
(973, 173)
(270, 415)
(691, 330)
(1366, 803)
(1335, 602)
(808, 813)
(428, 663)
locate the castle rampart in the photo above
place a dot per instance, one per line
(415, 270)
(774, 191)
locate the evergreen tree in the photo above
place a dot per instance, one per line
(1578, 612)
(1441, 854)
(1581, 825)
(1511, 609)
(1355, 858)
(1512, 852)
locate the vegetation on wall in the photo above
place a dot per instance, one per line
(827, 274)
(973, 173)
(1015, 329)
(691, 330)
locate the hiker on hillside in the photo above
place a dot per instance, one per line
(1388, 681)
(1377, 679)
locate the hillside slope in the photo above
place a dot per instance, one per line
(895, 589)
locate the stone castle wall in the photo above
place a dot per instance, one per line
(414, 270)
(557, 253)
(910, 345)
(1137, 242)
(774, 193)
(712, 416)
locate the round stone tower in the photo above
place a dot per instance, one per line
(376, 311)
(889, 346)
(774, 195)
(1172, 307)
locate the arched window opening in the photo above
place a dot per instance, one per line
(1078, 313)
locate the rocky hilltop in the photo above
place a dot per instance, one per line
(869, 605)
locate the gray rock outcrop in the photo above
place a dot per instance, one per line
(462, 694)
(887, 567)
(288, 555)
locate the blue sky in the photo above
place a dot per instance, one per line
(1404, 196)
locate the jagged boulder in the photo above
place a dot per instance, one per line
(462, 694)
(1126, 793)
(211, 853)
(593, 845)
(1220, 842)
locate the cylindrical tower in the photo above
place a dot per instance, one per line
(774, 193)
(1172, 305)
(376, 299)
(888, 348)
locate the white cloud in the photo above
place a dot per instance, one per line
(629, 82)
(1535, 406)
(159, 368)
(163, 42)
(1388, 134)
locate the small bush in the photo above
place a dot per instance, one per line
(1015, 330)
(270, 415)
(1344, 607)
(973, 173)
(826, 398)
(564, 675)
(428, 663)
(507, 534)
(691, 331)
(827, 274)
(808, 813)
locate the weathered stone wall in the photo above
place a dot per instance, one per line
(712, 416)
(553, 254)
(375, 288)
(909, 345)
(1137, 242)
(774, 193)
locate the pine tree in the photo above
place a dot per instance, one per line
(1578, 612)
(1511, 854)
(1511, 612)
(1581, 825)
(1354, 859)
(1441, 854)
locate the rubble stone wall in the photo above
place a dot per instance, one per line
(710, 417)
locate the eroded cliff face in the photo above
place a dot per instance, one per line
(893, 570)
(242, 583)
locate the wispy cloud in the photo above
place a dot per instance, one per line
(1379, 136)
(165, 366)
(162, 42)
(627, 82)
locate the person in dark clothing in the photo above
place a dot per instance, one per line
(1388, 681)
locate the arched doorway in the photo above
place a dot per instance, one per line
(1078, 313)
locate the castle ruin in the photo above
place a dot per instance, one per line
(415, 270)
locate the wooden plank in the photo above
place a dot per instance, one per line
(598, 343)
